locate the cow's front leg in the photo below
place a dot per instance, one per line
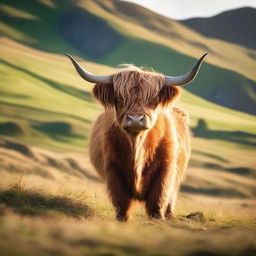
(118, 192)
(162, 187)
(169, 213)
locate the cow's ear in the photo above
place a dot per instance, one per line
(168, 94)
(105, 94)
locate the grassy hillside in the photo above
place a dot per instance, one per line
(155, 37)
(116, 31)
(136, 21)
(38, 81)
(38, 89)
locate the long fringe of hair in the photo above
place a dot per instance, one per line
(133, 83)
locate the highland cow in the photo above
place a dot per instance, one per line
(140, 145)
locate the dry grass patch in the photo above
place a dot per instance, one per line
(61, 224)
(25, 236)
(36, 202)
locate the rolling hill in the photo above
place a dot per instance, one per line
(235, 26)
(113, 32)
(164, 44)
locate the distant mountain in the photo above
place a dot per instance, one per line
(236, 26)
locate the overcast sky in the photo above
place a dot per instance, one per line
(183, 9)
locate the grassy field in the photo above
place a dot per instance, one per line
(29, 81)
(52, 202)
(66, 236)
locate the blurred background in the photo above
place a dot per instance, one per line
(47, 111)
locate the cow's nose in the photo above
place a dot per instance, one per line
(135, 118)
(134, 123)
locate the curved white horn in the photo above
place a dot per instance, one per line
(89, 76)
(184, 79)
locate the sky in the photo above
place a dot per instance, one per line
(184, 9)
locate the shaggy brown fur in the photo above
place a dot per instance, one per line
(150, 165)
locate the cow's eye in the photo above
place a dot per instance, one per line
(119, 102)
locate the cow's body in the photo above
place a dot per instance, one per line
(140, 145)
(150, 169)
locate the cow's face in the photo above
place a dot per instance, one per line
(137, 97)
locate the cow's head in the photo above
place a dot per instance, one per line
(136, 96)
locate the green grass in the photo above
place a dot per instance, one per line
(35, 24)
(53, 108)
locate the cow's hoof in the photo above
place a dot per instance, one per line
(122, 218)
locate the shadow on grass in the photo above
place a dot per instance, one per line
(236, 170)
(19, 147)
(213, 156)
(59, 131)
(10, 129)
(202, 130)
(239, 170)
(73, 164)
(69, 165)
(37, 203)
(214, 191)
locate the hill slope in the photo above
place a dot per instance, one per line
(43, 102)
(236, 26)
(134, 34)
(151, 39)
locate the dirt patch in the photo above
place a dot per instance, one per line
(196, 216)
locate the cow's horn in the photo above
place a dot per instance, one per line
(89, 76)
(184, 79)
